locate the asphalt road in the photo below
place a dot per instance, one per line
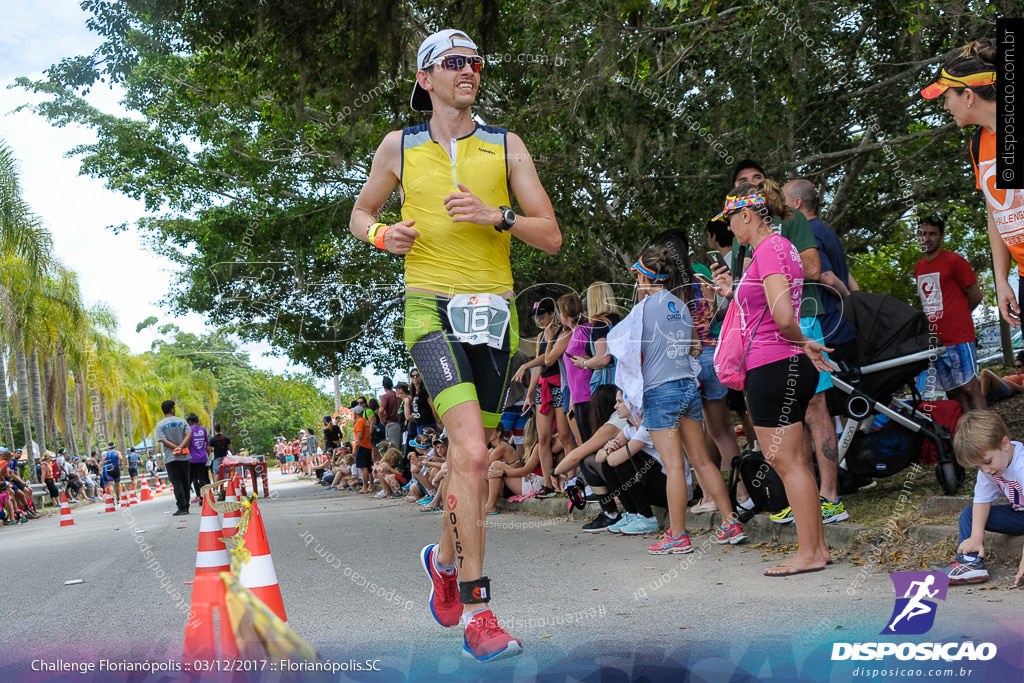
(595, 607)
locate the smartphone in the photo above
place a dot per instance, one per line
(718, 260)
(704, 280)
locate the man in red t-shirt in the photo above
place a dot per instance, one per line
(949, 292)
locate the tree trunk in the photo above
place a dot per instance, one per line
(82, 413)
(121, 428)
(337, 393)
(37, 399)
(24, 405)
(5, 404)
(69, 418)
(131, 428)
(49, 395)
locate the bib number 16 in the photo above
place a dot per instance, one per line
(479, 319)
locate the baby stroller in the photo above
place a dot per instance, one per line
(894, 347)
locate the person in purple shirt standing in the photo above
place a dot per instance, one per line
(198, 456)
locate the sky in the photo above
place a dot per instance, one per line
(117, 270)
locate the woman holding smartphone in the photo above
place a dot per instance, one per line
(782, 363)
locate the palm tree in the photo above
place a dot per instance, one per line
(25, 248)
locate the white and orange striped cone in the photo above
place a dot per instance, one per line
(110, 503)
(231, 519)
(124, 498)
(258, 573)
(147, 494)
(132, 499)
(65, 512)
(159, 487)
(212, 554)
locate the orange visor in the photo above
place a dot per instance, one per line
(946, 81)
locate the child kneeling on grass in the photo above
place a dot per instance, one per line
(983, 441)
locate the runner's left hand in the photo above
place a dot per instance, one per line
(466, 207)
(816, 352)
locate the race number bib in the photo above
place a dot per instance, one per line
(479, 319)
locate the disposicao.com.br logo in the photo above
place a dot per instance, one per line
(914, 614)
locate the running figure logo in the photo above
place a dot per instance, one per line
(914, 612)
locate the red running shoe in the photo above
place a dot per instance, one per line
(485, 640)
(444, 590)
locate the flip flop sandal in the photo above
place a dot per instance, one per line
(794, 572)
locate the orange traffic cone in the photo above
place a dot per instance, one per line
(147, 494)
(65, 512)
(132, 499)
(110, 503)
(258, 573)
(231, 519)
(208, 596)
(124, 498)
(212, 554)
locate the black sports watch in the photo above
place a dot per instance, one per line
(508, 219)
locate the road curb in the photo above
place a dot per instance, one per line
(839, 536)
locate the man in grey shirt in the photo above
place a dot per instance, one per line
(174, 435)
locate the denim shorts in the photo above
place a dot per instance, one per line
(710, 388)
(956, 367)
(666, 403)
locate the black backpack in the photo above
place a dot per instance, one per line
(762, 482)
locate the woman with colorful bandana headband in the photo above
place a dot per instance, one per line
(782, 364)
(967, 85)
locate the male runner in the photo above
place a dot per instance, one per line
(457, 178)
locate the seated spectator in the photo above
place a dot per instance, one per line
(46, 475)
(995, 388)
(8, 513)
(89, 483)
(423, 468)
(391, 481)
(517, 478)
(439, 465)
(606, 425)
(983, 441)
(72, 482)
(343, 475)
(21, 492)
(632, 467)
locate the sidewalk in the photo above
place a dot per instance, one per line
(839, 536)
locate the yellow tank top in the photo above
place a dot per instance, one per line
(455, 258)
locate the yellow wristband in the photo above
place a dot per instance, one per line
(371, 231)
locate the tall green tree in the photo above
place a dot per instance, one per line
(253, 125)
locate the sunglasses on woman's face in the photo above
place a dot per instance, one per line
(458, 62)
(1018, 365)
(414, 376)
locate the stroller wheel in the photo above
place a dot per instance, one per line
(950, 476)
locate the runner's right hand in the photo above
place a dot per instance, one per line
(401, 237)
